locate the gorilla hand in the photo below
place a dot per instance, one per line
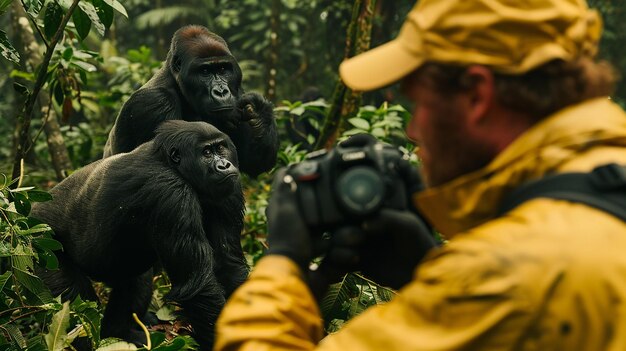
(257, 111)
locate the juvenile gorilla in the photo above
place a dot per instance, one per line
(175, 201)
(200, 81)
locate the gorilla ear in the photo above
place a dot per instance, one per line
(175, 155)
(176, 63)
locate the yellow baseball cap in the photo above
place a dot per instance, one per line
(510, 36)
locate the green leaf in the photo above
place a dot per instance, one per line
(33, 284)
(42, 228)
(4, 4)
(47, 258)
(117, 346)
(175, 344)
(52, 19)
(22, 205)
(37, 343)
(332, 305)
(117, 6)
(378, 132)
(47, 243)
(82, 23)
(39, 196)
(15, 334)
(85, 66)
(6, 49)
(21, 89)
(105, 12)
(297, 111)
(156, 338)
(166, 313)
(359, 123)
(57, 334)
(68, 53)
(33, 6)
(65, 4)
(91, 12)
(4, 278)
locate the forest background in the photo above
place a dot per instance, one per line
(67, 67)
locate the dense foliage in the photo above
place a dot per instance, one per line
(67, 66)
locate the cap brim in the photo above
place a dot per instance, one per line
(379, 67)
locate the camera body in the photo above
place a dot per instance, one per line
(349, 183)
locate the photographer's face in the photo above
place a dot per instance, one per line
(439, 127)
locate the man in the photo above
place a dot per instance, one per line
(505, 91)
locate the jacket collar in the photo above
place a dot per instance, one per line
(547, 147)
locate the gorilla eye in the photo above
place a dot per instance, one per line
(207, 151)
(220, 148)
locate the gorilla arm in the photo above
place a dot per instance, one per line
(257, 136)
(182, 245)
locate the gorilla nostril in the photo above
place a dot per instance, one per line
(220, 92)
(223, 165)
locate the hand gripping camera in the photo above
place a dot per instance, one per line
(349, 183)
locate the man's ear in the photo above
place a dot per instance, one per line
(174, 155)
(481, 95)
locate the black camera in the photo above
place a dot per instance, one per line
(349, 183)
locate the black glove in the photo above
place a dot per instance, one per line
(288, 235)
(395, 243)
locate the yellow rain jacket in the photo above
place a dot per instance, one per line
(549, 275)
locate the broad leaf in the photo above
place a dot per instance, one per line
(47, 243)
(174, 345)
(117, 6)
(91, 12)
(359, 123)
(39, 196)
(6, 49)
(15, 334)
(4, 278)
(105, 12)
(117, 346)
(57, 332)
(33, 284)
(82, 23)
(52, 19)
(33, 6)
(22, 205)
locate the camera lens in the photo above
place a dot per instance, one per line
(360, 190)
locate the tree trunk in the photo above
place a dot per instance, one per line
(24, 143)
(272, 64)
(345, 102)
(56, 145)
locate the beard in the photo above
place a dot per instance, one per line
(448, 150)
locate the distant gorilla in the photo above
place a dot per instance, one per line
(176, 202)
(200, 81)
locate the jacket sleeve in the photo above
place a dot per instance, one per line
(456, 302)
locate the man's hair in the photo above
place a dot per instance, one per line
(539, 92)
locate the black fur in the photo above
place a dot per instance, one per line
(175, 202)
(200, 81)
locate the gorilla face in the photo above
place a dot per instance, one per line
(211, 166)
(209, 78)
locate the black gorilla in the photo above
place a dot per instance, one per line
(176, 202)
(200, 81)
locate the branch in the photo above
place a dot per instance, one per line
(24, 140)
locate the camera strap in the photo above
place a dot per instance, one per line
(603, 188)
